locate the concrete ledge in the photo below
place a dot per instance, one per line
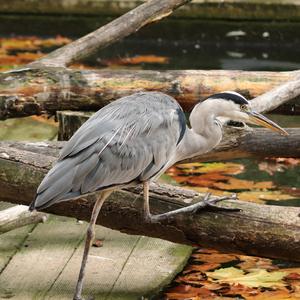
(205, 9)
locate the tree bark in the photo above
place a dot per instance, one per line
(36, 91)
(18, 216)
(270, 231)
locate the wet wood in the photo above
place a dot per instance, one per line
(19, 216)
(69, 122)
(36, 91)
(33, 269)
(270, 231)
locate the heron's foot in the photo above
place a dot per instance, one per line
(211, 202)
(207, 202)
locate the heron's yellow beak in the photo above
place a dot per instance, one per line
(261, 120)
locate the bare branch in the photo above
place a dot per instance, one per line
(18, 216)
(278, 95)
(119, 28)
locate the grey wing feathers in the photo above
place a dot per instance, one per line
(129, 139)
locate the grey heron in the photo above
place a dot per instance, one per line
(132, 141)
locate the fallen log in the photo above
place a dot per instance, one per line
(36, 91)
(238, 142)
(270, 231)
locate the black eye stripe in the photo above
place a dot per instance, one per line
(230, 97)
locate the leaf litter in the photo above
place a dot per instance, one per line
(219, 179)
(213, 275)
(208, 276)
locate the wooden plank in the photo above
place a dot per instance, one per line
(152, 264)
(32, 271)
(47, 265)
(11, 241)
(126, 267)
(104, 266)
(10, 244)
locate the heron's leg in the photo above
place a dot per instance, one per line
(90, 234)
(146, 207)
(207, 201)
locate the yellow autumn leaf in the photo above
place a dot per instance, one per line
(255, 278)
(262, 196)
(216, 167)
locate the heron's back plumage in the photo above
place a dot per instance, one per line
(131, 139)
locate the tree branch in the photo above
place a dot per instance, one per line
(119, 28)
(278, 95)
(18, 216)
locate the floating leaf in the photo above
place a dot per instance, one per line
(32, 43)
(250, 263)
(257, 278)
(218, 167)
(262, 196)
(187, 292)
(214, 258)
(136, 60)
(241, 184)
(202, 268)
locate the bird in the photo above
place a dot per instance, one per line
(132, 141)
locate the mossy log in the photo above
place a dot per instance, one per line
(270, 231)
(36, 91)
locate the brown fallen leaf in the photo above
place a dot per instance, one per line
(242, 184)
(214, 258)
(202, 268)
(249, 263)
(97, 243)
(188, 292)
(136, 60)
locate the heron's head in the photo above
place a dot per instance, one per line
(236, 107)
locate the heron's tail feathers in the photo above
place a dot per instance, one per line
(56, 186)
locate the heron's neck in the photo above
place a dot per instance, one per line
(205, 132)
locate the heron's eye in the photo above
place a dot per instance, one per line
(244, 107)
